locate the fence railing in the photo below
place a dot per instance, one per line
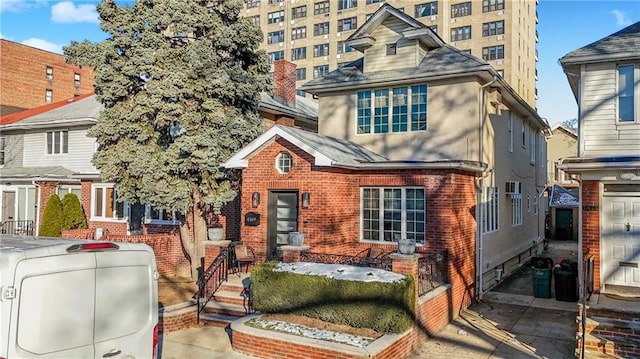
(432, 272)
(20, 228)
(210, 280)
(382, 262)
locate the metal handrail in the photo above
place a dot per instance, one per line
(21, 228)
(432, 272)
(212, 278)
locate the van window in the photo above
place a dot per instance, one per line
(64, 319)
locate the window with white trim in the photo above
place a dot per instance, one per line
(628, 93)
(490, 207)
(532, 146)
(275, 17)
(516, 209)
(399, 109)
(57, 142)
(510, 131)
(49, 73)
(48, 96)
(284, 162)
(104, 203)
(64, 189)
(389, 214)
(459, 10)
(160, 216)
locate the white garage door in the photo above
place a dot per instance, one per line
(621, 235)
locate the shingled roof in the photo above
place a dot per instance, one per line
(622, 44)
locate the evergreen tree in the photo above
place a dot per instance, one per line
(52, 218)
(73, 215)
(180, 82)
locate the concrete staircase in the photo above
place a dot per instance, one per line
(230, 302)
(611, 334)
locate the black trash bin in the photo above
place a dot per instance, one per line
(566, 279)
(541, 276)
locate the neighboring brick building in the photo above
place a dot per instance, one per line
(32, 77)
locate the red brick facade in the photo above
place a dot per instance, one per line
(591, 227)
(332, 221)
(23, 77)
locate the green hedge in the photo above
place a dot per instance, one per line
(72, 212)
(384, 307)
(52, 218)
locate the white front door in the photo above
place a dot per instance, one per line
(620, 239)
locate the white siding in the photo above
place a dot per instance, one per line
(81, 149)
(12, 151)
(601, 134)
(408, 53)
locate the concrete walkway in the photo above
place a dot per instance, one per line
(198, 343)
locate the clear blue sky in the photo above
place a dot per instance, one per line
(565, 25)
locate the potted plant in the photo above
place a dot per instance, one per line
(296, 238)
(407, 246)
(215, 233)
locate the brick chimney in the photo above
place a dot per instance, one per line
(284, 78)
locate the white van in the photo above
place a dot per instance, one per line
(77, 299)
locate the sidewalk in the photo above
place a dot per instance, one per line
(198, 343)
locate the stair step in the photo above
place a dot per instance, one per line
(223, 296)
(225, 308)
(218, 320)
(597, 355)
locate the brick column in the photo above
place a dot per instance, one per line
(407, 265)
(291, 254)
(212, 249)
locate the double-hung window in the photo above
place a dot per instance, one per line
(493, 52)
(347, 4)
(298, 53)
(275, 17)
(275, 37)
(252, 3)
(48, 96)
(426, 9)
(490, 209)
(49, 73)
(532, 146)
(275, 56)
(76, 79)
(301, 74)
(299, 12)
(459, 10)
(628, 93)
(321, 50)
(298, 33)
(343, 48)
(492, 5)
(398, 109)
(319, 71)
(493, 28)
(160, 215)
(104, 202)
(516, 209)
(461, 33)
(389, 214)
(57, 142)
(321, 29)
(321, 7)
(347, 24)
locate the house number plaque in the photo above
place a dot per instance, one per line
(252, 219)
(589, 208)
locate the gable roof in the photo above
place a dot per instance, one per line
(622, 45)
(18, 116)
(75, 111)
(304, 108)
(362, 38)
(566, 129)
(334, 152)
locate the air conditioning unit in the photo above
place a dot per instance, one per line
(434, 17)
(512, 187)
(500, 37)
(499, 62)
(453, 20)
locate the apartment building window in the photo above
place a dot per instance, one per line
(407, 111)
(389, 214)
(256, 20)
(275, 37)
(49, 73)
(516, 209)
(298, 33)
(275, 17)
(321, 50)
(299, 12)
(275, 56)
(299, 53)
(524, 135)
(628, 93)
(57, 142)
(493, 52)
(343, 48)
(347, 4)
(490, 207)
(369, 2)
(274, 2)
(426, 9)
(1, 151)
(48, 96)
(104, 202)
(492, 5)
(319, 71)
(459, 10)
(76, 80)
(321, 29)
(493, 28)
(510, 131)
(347, 24)
(252, 4)
(301, 74)
(321, 8)
(461, 33)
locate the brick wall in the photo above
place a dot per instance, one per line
(591, 226)
(47, 189)
(611, 332)
(23, 77)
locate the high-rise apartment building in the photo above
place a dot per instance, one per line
(311, 33)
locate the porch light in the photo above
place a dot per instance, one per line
(306, 199)
(255, 199)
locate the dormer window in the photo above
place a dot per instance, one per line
(391, 49)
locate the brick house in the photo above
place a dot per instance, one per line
(33, 77)
(605, 79)
(416, 140)
(46, 150)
